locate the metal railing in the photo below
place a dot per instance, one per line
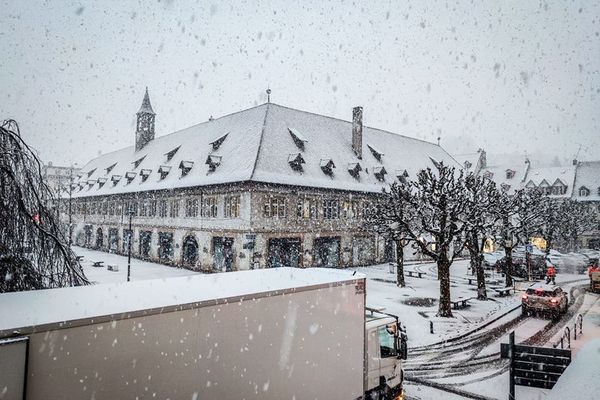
(567, 333)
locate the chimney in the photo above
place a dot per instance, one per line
(357, 128)
(574, 162)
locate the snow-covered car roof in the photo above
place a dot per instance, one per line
(543, 286)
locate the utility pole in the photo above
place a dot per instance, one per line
(130, 212)
(70, 205)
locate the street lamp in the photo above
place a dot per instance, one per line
(130, 213)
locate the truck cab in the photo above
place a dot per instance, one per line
(386, 347)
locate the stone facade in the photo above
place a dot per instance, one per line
(233, 227)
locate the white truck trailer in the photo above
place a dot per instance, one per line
(266, 334)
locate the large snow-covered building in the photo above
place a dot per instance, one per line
(266, 186)
(587, 189)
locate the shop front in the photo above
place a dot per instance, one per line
(327, 252)
(284, 252)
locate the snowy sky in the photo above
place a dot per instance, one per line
(514, 76)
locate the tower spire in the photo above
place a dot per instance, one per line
(145, 123)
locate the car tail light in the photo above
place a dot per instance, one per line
(553, 301)
(524, 297)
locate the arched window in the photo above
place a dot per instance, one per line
(190, 251)
(584, 192)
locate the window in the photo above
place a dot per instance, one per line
(143, 208)
(350, 209)
(104, 208)
(152, 208)
(298, 138)
(331, 209)
(137, 162)
(209, 207)
(162, 208)
(510, 174)
(191, 207)
(387, 346)
(217, 143)
(306, 208)
(111, 208)
(171, 153)
(274, 207)
(232, 206)
(174, 209)
(365, 209)
(584, 192)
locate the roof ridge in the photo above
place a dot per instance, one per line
(262, 133)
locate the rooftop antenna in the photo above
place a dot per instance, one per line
(268, 95)
(438, 140)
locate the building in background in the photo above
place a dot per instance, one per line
(264, 187)
(59, 178)
(579, 181)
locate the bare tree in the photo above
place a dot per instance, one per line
(436, 204)
(521, 217)
(387, 220)
(481, 215)
(33, 253)
(576, 219)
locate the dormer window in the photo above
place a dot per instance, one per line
(171, 153)
(218, 142)
(376, 153)
(379, 173)
(130, 176)
(505, 187)
(559, 188)
(145, 173)
(91, 183)
(185, 167)
(402, 176)
(530, 185)
(468, 165)
(510, 174)
(90, 172)
(599, 193)
(115, 179)
(213, 161)
(137, 162)
(101, 181)
(488, 175)
(584, 192)
(163, 170)
(327, 166)
(110, 168)
(299, 139)
(295, 160)
(354, 169)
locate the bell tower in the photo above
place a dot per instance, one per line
(144, 131)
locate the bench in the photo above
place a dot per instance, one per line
(460, 302)
(98, 264)
(114, 268)
(470, 279)
(417, 273)
(502, 291)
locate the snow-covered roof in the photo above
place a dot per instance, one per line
(468, 161)
(39, 307)
(507, 182)
(257, 146)
(552, 176)
(587, 175)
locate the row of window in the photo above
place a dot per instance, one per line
(315, 208)
(206, 206)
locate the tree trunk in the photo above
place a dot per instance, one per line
(443, 264)
(481, 291)
(509, 266)
(400, 263)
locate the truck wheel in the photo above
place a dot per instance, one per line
(524, 311)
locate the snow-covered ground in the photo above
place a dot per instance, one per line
(480, 370)
(140, 270)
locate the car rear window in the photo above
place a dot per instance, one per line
(539, 292)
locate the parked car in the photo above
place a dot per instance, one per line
(537, 263)
(490, 260)
(544, 299)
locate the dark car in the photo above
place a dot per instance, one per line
(543, 299)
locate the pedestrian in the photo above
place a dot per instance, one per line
(551, 274)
